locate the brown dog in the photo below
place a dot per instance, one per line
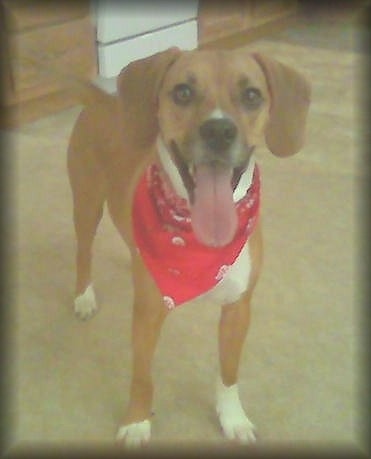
(172, 156)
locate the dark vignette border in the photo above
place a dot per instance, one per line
(6, 298)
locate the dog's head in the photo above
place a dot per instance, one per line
(211, 109)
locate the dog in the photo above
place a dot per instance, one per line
(172, 156)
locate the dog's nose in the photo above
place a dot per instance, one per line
(218, 133)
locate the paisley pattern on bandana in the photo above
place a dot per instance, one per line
(182, 267)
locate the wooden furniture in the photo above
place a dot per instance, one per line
(39, 35)
(42, 34)
(220, 20)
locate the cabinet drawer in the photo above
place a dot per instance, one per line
(268, 10)
(220, 18)
(27, 14)
(65, 46)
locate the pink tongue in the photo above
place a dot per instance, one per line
(213, 214)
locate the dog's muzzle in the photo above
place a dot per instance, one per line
(218, 135)
(211, 177)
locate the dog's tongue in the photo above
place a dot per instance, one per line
(213, 214)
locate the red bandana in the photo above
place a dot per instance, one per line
(182, 267)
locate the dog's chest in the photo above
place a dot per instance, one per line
(182, 267)
(234, 282)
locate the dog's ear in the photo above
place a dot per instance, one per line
(138, 84)
(290, 97)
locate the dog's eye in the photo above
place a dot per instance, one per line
(182, 94)
(252, 98)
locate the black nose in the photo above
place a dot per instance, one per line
(218, 133)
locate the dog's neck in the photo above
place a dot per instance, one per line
(176, 180)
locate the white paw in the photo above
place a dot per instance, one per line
(85, 304)
(234, 422)
(135, 435)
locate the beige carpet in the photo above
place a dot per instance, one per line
(300, 372)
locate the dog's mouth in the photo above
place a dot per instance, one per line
(210, 186)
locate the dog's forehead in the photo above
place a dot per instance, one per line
(226, 65)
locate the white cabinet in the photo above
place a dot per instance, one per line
(130, 30)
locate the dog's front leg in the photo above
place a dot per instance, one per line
(148, 316)
(233, 325)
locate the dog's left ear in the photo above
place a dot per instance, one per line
(138, 84)
(290, 97)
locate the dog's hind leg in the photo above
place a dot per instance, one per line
(88, 191)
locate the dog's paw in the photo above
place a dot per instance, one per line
(232, 417)
(85, 304)
(134, 435)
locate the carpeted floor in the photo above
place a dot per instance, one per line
(300, 374)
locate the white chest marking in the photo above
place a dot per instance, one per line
(234, 283)
(171, 169)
